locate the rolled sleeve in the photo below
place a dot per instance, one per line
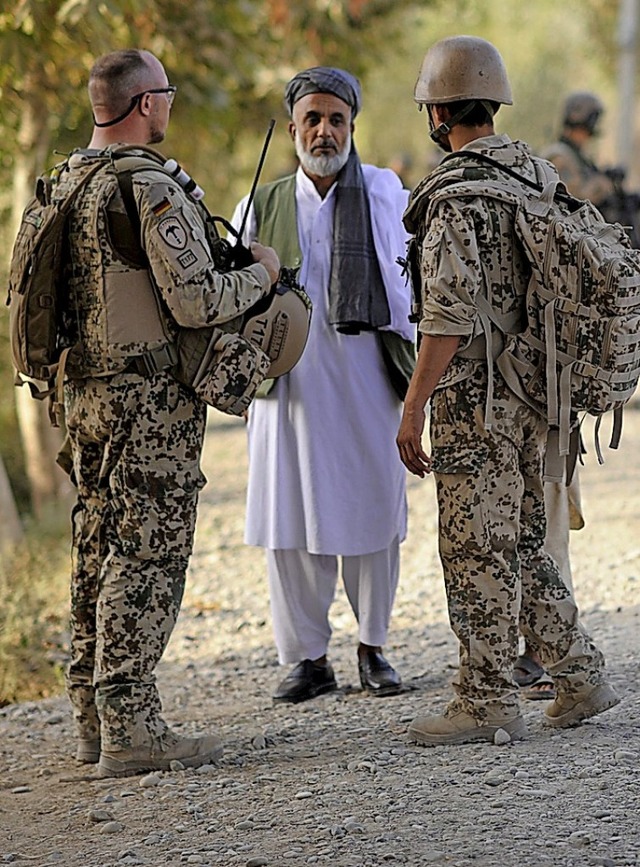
(174, 237)
(451, 274)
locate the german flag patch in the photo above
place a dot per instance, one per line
(162, 207)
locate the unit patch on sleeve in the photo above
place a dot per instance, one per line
(173, 232)
(187, 259)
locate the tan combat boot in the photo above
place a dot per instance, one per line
(157, 754)
(568, 710)
(456, 726)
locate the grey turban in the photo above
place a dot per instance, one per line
(325, 79)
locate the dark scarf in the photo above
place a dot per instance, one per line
(357, 295)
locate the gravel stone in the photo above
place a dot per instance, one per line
(335, 782)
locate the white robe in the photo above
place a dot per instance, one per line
(324, 471)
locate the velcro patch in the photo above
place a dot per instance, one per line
(174, 232)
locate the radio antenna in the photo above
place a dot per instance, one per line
(256, 178)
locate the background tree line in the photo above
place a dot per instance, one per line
(230, 61)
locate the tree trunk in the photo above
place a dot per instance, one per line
(10, 525)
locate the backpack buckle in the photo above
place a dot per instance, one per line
(155, 360)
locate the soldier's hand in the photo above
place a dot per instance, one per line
(409, 442)
(268, 257)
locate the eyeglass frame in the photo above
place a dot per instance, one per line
(170, 91)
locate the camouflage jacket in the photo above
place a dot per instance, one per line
(465, 249)
(112, 309)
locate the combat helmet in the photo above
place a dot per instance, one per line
(582, 108)
(462, 68)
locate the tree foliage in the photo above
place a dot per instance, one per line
(230, 61)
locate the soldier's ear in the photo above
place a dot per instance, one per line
(144, 104)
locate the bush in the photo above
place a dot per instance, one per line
(34, 615)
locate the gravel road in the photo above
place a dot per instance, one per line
(335, 781)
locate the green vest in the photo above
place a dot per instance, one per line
(275, 211)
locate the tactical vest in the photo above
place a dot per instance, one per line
(112, 311)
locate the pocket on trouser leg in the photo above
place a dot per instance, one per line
(461, 496)
(154, 509)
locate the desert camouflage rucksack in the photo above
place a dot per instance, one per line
(580, 349)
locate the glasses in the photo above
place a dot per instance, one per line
(170, 91)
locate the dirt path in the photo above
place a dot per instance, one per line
(335, 781)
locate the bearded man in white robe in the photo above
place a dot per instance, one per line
(326, 491)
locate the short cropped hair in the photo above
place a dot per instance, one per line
(115, 77)
(478, 116)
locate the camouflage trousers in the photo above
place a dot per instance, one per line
(498, 578)
(135, 447)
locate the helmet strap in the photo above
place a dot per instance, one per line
(445, 128)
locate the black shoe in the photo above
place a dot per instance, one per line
(306, 680)
(377, 676)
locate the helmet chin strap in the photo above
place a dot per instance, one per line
(437, 133)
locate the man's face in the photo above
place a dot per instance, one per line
(321, 128)
(161, 103)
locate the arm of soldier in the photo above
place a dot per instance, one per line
(433, 359)
(451, 277)
(174, 236)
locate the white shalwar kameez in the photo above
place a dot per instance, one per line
(325, 478)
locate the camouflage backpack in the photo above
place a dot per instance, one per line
(36, 285)
(579, 351)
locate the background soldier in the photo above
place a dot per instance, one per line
(135, 433)
(584, 179)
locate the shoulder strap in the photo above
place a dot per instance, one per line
(559, 192)
(66, 203)
(125, 182)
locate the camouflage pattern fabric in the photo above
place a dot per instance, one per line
(135, 442)
(136, 447)
(491, 537)
(465, 245)
(112, 306)
(581, 176)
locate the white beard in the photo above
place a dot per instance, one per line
(323, 166)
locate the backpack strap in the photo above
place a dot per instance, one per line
(549, 174)
(489, 344)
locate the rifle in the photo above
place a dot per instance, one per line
(622, 206)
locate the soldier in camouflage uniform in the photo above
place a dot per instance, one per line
(581, 114)
(135, 433)
(486, 453)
